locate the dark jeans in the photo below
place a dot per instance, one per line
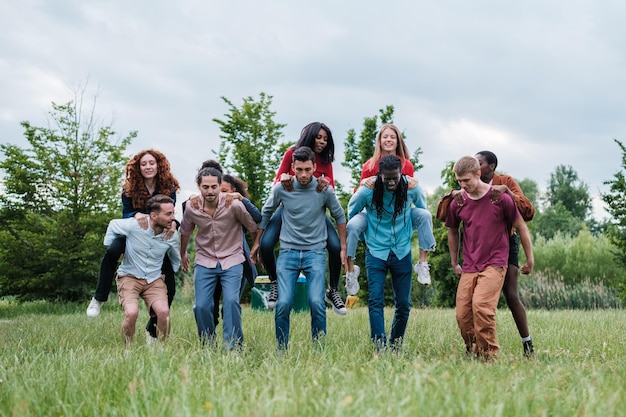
(108, 267)
(401, 280)
(271, 236)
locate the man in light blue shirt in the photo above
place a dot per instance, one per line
(388, 239)
(140, 275)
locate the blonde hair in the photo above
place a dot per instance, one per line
(466, 165)
(402, 151)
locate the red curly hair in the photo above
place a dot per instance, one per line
(135, 187)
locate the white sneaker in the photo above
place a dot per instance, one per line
(94, 308)
(423, 272)
(352, 281)
(151, 341)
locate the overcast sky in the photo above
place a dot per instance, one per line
(538, 83)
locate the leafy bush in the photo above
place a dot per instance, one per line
(579, 259)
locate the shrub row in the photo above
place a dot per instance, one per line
(542, 292)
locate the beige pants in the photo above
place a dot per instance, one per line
(476, 302)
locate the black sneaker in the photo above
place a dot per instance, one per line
(333, 298)
(529, 350)
(271, 301)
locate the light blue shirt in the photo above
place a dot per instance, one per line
(145, 251)
(383, 235)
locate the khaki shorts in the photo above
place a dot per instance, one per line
(130, 288)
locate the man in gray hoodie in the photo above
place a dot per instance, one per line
(302, 242)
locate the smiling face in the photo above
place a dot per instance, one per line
(390, 178)
(304, 171)
(388, 141)
(209, 189)
(148, 166)
(321, 141)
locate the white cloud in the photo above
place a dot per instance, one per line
(540, 84)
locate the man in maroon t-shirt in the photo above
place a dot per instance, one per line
(486, 227)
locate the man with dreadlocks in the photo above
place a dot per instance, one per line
(388, 240)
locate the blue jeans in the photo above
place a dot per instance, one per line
(205, 280)
(422, 222)
(312, 263)
(249, 275)
(401, 280)
(271, 236)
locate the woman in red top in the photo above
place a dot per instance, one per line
(389, 142)
(319, 138)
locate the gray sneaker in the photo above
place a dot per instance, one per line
(352, 281)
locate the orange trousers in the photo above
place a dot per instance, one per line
(476, 302)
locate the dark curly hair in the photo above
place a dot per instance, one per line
(309, 134)
(134, 185)
(239, 185)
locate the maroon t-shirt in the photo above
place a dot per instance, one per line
(486, 228)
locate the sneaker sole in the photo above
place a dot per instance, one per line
(341, 312)
(351, 290)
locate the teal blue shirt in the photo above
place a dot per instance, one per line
(383, 235)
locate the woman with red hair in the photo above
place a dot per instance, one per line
(147, 174)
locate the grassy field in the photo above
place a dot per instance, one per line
(55, 361)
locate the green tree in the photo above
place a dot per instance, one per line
(444, 281)
(531, 190)
(557, 219)
(57, 199)
(356, 153)
(565, 187)
(250, 145)
(615, 200)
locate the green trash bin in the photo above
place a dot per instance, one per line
(301, 299)
(261, 293)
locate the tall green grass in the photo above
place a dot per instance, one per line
(55, 361)
(540, 291)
